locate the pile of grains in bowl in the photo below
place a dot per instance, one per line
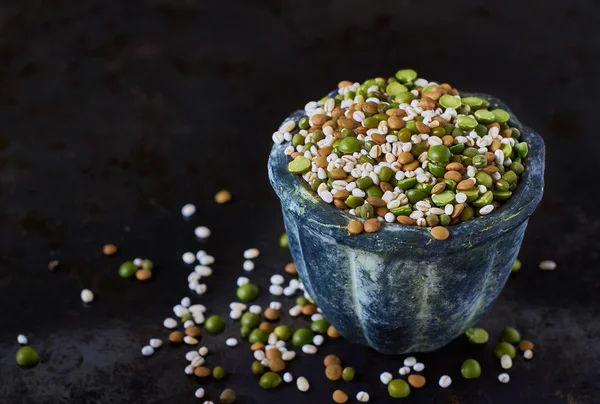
(405, 150)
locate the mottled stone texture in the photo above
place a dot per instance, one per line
(399, 290)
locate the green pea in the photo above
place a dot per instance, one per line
(472, 194)
(439, 131)
(470, 152)
(245, 331)
(218, 373)
(518, 159)
(404, 98)
(503, 126)
(398, 388)
(436, 170)
(484, 199)
(354, 201)
(350, 95)
(304, 123)
(186, 317)
(283, 332)
(283, 241)
(415, 195)
(301, 301)
(516, 266)
(502, 185)
(501, 195)
(364, 183)
(485, 104)
(501, 169)
(467, 214)
(297, 140)
(257, 368)
(457, 148)
(250, 319)
(510, 177)
(418, 148)
(466, 122)
(432, 220)
(27, 357)
(318, 135)
(430, 86)
(299, 165)
(370, 123)
(258, 335)
(517, 167)
(448, 129)
(510, 335)
(449, 101)
(395, 88)
(445, 220)
(320, 326)
(470, 369)
(504, 348)
(381, 117)
(501, 115)
(407, 183)
(349, 144)
(506, 150)
(406, 75)
(457, 132)
(347, 133)
(450, 184)
(473, 102)
(369, 145)
(477, 335)
(516, 134)
(481, 130)
(479, 161)
(269, 380)
(484, 116)
(314, 185)
(404, 135)
(412, 126)
(439, 153)
(385, 174)
(348, 374)
(302, 336)
(247, 292)
(484, 178)
(393, 181)
(443, 198)
(421, 186)
(127, 269)
(214, 324)
(403, 210)
(366, 211)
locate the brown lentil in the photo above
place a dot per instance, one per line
(223, 196)
(143, 274)
(490, 169)
(440, 233)
(455, 166)
(417, 381)
(490, 157)
(439, 187)
(407, 220)
(344, 83)
(422, 128)
(458, 209)
(396, 112)
(193, 331)
(494, 125)
(337, 174)
(257, 346)
(273, 352)
(319, 119)
(386, 186)
(347, 123)
(496, 144)
(309, 309)
(341, 194)
(361, 130)
(448, 140)
(427, 102)
(372, 225)
(333, 333)
(276, 364)
(355, 227)
(267, 327)
(291, 269)
(333, 372)
(506, 133)
(202, 371)
(525, 345)
(332, 360)
(412, 166)
(340, 397)
(376, 202)
(453, 175)
(396, 122)
(324, 151)
(381, 211)
(340, 204)
(405, 158)
(377, 138)
(176, 337)
(369, 108)
(271, 314)
(109, 249)
(465, 185)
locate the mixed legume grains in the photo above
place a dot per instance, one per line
(405, 150)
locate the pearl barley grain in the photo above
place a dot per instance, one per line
(385, 377)
(87, 296)
(251, 253)
(203, 351)
(503, 378)
(547, 265)
(419, 367)
(528, 354)
(21, 339)
(363, 396)
(147, 350)
(410, 361)
(445, 381)
(231, 342)
(202, 232)
(248, 266)
(170, 323)
(302, 384)
(156, 343)
(199, 393)
(188, 257)
(403, 371)
(287, 377)
(188, 210)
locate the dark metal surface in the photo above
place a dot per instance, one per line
(115, 114)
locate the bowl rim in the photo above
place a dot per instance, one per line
(515, 211)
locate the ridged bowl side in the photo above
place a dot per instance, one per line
(399, 290)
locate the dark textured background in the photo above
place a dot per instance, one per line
(114, 114)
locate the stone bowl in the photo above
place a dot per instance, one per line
(399, 290)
